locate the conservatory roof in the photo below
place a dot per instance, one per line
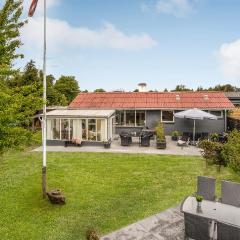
(81, 113)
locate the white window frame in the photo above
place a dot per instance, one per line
(167, 110)
(135, 118)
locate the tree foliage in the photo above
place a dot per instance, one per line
(68, 86)
(10, 25)
(231, 150)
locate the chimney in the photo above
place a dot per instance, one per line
(142, 87)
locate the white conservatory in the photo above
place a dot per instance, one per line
(91, 126)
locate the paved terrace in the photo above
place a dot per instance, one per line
(167, 225)
(116, 147)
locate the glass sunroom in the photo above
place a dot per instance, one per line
(90, 126)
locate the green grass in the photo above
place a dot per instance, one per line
(106, 191)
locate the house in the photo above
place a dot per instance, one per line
(234, 97)
(95, 117)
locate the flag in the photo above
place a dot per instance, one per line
(32, 8)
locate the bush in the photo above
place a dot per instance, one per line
(231, 150)
(176, 133)
(212, 152)
(160, 132)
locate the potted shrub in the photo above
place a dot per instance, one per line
(175, 135)
(161, 139)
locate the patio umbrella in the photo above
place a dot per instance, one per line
(195, 114)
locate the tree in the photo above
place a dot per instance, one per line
(181, 88)
(30, 75)
(224, 88)
(10, 25)
(99, 90)
(68, 86)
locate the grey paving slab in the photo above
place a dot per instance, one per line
(167, 225)
(116, 147)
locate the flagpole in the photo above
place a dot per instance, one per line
(44, 166)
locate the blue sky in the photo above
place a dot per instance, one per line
(117, 44)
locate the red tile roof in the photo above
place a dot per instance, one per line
(152, 100)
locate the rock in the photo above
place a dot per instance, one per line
(56, 197)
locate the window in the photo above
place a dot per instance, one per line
(71, 129)
(84, 129)
(120, 118)
(64, 129)
(140, 118)
(130, 117)
(56, 129)
(99, 135)
(92, 130)
(216, 113)
(167, 116)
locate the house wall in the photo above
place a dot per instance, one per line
(185, 125)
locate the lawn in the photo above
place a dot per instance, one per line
(106, 191)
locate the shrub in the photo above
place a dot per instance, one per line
(175, 133)
(231, 150)
(92, 234)
(212, 152)
(214, 137)
(160, 132)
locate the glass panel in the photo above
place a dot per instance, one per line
(120, 118)
(140, 117)
(71, 129)
(92, 129)
(64, 129)
(167, 116)
(130, 117)
(56, 129)
(84, 130)
(216, 113)
(99, 137)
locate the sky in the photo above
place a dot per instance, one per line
(115, 44)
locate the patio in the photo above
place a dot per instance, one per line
(172, 148)
(167, 225)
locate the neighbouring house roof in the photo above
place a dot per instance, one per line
(151, 100)
(232, 94)
(81, 113)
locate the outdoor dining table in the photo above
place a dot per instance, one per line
(217, 211)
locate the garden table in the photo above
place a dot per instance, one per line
(217, 211)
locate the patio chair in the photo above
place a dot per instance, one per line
(145, 139)
(182, 143)
(206, 188)
(126, 139)
(230, 193)
(227, 232)
(197, 227)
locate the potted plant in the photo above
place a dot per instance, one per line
(199, 199)
(175, 135)
(161, 139)
(107, 144)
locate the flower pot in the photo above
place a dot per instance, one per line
(161, 144)
(174, 138)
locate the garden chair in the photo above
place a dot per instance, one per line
(182, 143)
(227, 232)
(206, 188)
(126, 139)
(197, 227)
(230, 192)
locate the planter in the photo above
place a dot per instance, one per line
(174, 138)
(107, 145)
(161, 144)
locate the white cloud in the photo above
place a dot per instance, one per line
(178, 8)
(229, 54)
(61, 35)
